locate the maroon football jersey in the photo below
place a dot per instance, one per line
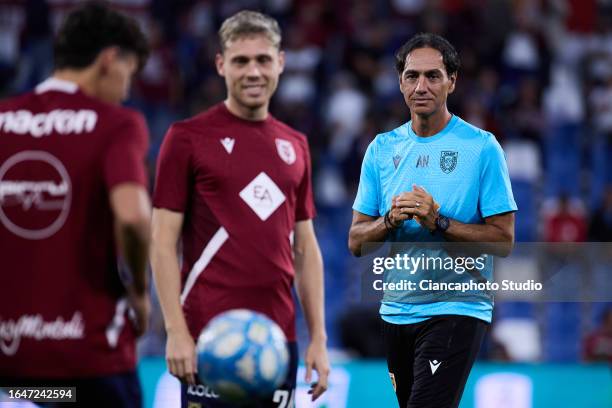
(63, 311)
(242, 186)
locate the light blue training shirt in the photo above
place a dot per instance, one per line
(463, 168)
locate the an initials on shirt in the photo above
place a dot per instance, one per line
(423, 161)
(262, 194)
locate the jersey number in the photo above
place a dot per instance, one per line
(284, 398)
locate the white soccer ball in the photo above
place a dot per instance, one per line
(242, 354)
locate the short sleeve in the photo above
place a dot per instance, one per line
(368, 193)
(304, 207)
(124, 159)
(495, 196)
(173, 171)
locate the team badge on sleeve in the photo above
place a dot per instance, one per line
(285, 151)
(448, 161)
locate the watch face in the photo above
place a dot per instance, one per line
(443, 223)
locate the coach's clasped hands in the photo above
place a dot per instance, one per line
(417, 203)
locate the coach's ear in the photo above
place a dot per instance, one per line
(453, 80)
(219, 64)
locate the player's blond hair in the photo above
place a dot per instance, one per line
(247, 23)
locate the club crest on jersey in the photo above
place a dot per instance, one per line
(286, 151)
(448, 161)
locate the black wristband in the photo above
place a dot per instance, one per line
(386, 221)
(388, 224)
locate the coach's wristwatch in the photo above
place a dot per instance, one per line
(442, 224)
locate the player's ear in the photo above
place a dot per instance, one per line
(105, 59)
(281, 61)
(219, 64)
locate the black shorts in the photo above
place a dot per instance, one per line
(115, 390)
(429, 362)
(201, 396)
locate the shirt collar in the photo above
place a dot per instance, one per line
(55, 84)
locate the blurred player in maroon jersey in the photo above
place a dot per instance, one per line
(235, 184)
(72, 194)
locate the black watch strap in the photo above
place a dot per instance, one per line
(442, 223)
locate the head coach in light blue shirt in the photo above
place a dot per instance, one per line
(435, 178)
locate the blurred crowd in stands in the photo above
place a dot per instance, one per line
(536, 73)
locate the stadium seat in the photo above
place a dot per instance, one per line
(526, 219)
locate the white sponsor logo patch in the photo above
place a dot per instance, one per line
(263, 196)
(36, 206)
(434, 366)
(285, 151)
(62, 121)
(34, 327)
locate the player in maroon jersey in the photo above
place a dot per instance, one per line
(234, 184)
(73, 193)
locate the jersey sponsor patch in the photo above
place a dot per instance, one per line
(286, 151)
(35, 327)
(263, 196)
(35, 194)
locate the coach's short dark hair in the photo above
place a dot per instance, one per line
(429, 40)
(93, 27)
